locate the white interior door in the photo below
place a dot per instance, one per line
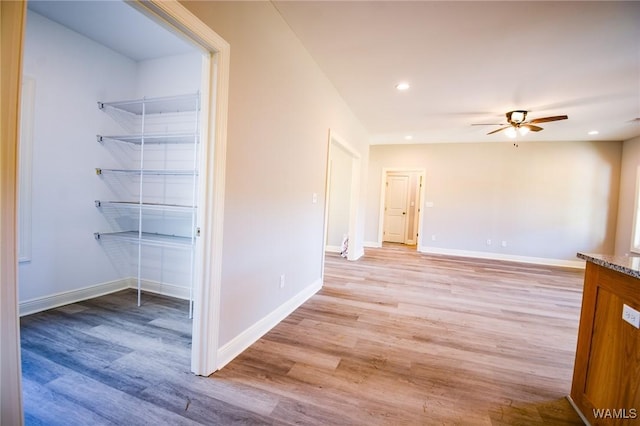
(395, 210)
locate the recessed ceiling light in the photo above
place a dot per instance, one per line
(408, 137)
(593, 132)
(402, 86)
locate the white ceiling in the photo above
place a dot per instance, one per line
(467, 62)
(471, 62)
(116, 25)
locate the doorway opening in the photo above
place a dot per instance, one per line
(341, 205)
(401, 197)
(210, 74)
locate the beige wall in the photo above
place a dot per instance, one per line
(629, 170)
(545, 200)
(281, 107)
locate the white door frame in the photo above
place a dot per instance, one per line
(354, 202)
(383, 194)
(12, 25)
(215, 89)
(417, 208)
(406, 177)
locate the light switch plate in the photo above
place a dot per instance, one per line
(631, 316)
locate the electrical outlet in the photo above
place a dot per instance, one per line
(504, 243)
(488, 241)
(282, 281)
(433, 237)
(631, 316)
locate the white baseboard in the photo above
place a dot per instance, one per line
(372, 244)
(251, 335)
(358, 254)
(171, 290)
(333, 249)
(65, 298)
(55, 300)
(577, 264)
(336, 249)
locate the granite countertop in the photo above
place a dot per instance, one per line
(628, 265)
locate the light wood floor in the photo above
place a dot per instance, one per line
(395, 338)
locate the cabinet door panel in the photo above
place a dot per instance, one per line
(613, 374)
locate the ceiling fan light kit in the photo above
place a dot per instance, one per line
(516, 116)
(519, 125)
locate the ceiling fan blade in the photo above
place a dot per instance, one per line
(488, 124)
(499, 130)
(547, 119)
(532, 127)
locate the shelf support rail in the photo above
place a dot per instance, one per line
(141, 185)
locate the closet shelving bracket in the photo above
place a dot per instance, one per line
(166, 104)
(172, 121)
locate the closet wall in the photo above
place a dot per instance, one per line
(71, 73)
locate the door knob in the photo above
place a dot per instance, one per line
(404, 212)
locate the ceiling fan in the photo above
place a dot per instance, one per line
(518, 124)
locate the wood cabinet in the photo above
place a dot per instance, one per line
(606, 378)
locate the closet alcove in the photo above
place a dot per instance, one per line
(110, 177)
